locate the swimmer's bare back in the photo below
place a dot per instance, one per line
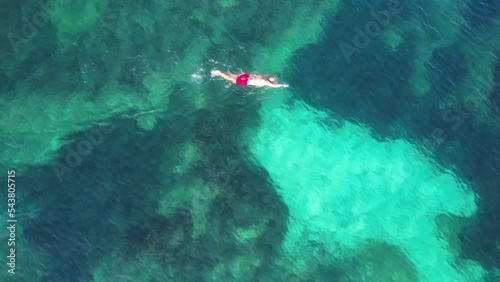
(249, 79)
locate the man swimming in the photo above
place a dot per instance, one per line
(249, 80)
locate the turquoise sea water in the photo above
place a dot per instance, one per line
(380, 162)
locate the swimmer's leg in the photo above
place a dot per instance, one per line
(225, 75)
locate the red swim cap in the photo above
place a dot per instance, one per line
(242, 79)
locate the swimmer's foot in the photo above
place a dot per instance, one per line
(215, 73)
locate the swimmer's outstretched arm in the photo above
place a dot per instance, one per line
(279, 85)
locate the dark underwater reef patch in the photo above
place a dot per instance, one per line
(494, 97)
(247, 200)
(248, 197)
(82, 219)
(480, 163)
(446, 69)
(373, 84)
(482, 14)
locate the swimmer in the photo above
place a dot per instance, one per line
(249, 79)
